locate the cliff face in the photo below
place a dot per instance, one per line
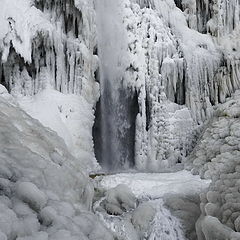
(189, 49)
(52, 45)
(181, 60)
(56, 37)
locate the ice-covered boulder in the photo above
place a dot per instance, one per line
(29, 193)
(119, 200)
(186, 208)
(213, 229)
(142, 217)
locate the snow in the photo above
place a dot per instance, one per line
(44, 57)
(70, 116)
(19, 31)
(142, 216)
(189, 47)
(156, 185)
(181, 59)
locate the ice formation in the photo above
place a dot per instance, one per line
(51, 45)
(149, 220)
(185, 50)
(156, 194)
(170, 50)
(44, 194)
(159, 67)
(217, 157)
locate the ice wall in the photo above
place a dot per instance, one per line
(57, 37)
(52, 45)
(171, 50)
(216, 157)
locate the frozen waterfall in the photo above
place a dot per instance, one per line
(115, 146)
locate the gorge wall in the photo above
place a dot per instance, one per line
(181, 60)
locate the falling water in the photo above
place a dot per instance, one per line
(115, 122)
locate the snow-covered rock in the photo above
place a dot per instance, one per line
(142, 217)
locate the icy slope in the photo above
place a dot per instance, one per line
(43, 192)
(217, 157)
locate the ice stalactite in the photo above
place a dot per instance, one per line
(115, 148)
(56, 37)
(160, 59)
(169, 48)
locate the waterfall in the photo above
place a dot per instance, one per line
(115, 145)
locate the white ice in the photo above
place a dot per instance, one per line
(156, 185)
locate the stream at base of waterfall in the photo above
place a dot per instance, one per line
(151, 191)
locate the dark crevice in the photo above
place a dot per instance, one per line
(204, 14)
(180, 95)
(148, 112)
(179, 4)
